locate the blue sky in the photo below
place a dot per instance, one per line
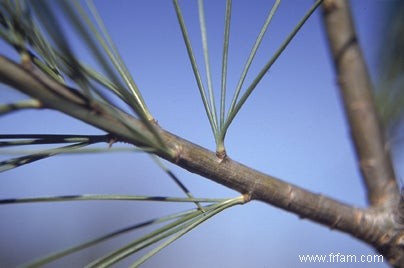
(292, 127)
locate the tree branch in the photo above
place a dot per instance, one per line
(356, 90)
(379, 225)
(259, 186)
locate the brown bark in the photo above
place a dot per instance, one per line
(356, 91)
(373, 154)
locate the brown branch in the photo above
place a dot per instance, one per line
(356, 90)
(259, 186)
(372, 153)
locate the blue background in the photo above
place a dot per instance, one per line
(293, 127)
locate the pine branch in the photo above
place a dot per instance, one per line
(381, 225)
(259, 186)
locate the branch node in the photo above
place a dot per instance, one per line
(290, 194)
(367, 164)
(247, 197)
(221, 155)
(177, 149)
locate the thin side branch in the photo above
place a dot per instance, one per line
(194, 158)
(356, 90)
